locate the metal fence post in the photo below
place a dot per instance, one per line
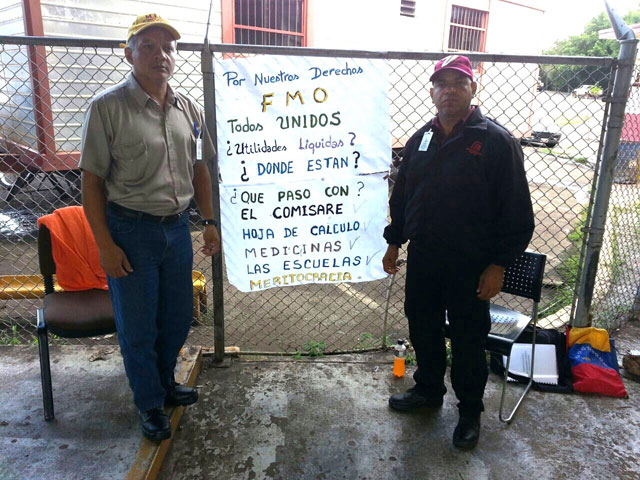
(383, 341)
(595, 231)
(208, 88)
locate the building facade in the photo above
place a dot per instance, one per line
(494, 26)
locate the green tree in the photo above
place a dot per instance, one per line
(566, 77)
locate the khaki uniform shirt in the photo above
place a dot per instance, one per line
(144, 154)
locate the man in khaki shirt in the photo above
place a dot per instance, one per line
(142, 162)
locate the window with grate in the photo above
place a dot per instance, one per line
(408, 8)
(468, 30)
(266, 22)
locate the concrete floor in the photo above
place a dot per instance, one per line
(265, 418)
(95, 433)
(329, 419)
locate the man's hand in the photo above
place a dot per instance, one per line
(490, 282)
(114, 262)
(389, 260)
(211, 240)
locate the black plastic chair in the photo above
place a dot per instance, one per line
(85, 313)
(524, 279)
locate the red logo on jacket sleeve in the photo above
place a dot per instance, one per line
(475, 148)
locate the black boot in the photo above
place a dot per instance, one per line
(180, 395)
(467, 432)
(412, 399)
(155, 424)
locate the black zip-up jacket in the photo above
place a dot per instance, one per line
(465, 196)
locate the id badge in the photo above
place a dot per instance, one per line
(199, 149)
(426, 140)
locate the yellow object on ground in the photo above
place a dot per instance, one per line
(20, 287)
(598, 338)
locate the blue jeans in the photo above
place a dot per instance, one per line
(153, 305)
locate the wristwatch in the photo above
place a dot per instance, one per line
(209, 221)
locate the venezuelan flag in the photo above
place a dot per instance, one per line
(594, 365)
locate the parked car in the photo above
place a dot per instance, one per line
(543, 134)
(592, 91)
(581, 91)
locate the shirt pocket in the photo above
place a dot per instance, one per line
(130, 162)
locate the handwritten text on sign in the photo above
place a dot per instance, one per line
(301, 142)
(304, 232)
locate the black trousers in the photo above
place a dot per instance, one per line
(440, 285)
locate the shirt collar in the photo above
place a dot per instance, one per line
(141, 97)
(436, 120)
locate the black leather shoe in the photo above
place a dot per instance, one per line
(412, 399)
(467, 432)
(180, 395)
(155, 424)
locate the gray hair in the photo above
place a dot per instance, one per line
(132, 43)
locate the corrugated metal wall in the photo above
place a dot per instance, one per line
(82, 19)
(11, 17)
(111, 20)
(16, 105)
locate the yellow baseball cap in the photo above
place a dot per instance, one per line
(150, 20)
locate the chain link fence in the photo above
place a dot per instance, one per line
(45, 89)
(616, 295)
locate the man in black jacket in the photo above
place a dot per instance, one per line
(462, 200)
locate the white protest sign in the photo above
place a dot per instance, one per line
(303, 117)
(303, 148)
(304, 232)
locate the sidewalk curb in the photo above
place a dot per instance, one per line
(150, 456)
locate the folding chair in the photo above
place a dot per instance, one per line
(524, 279)
(85, 313)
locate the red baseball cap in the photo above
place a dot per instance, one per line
(454, 62)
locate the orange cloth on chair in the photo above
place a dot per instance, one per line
(74, 250)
